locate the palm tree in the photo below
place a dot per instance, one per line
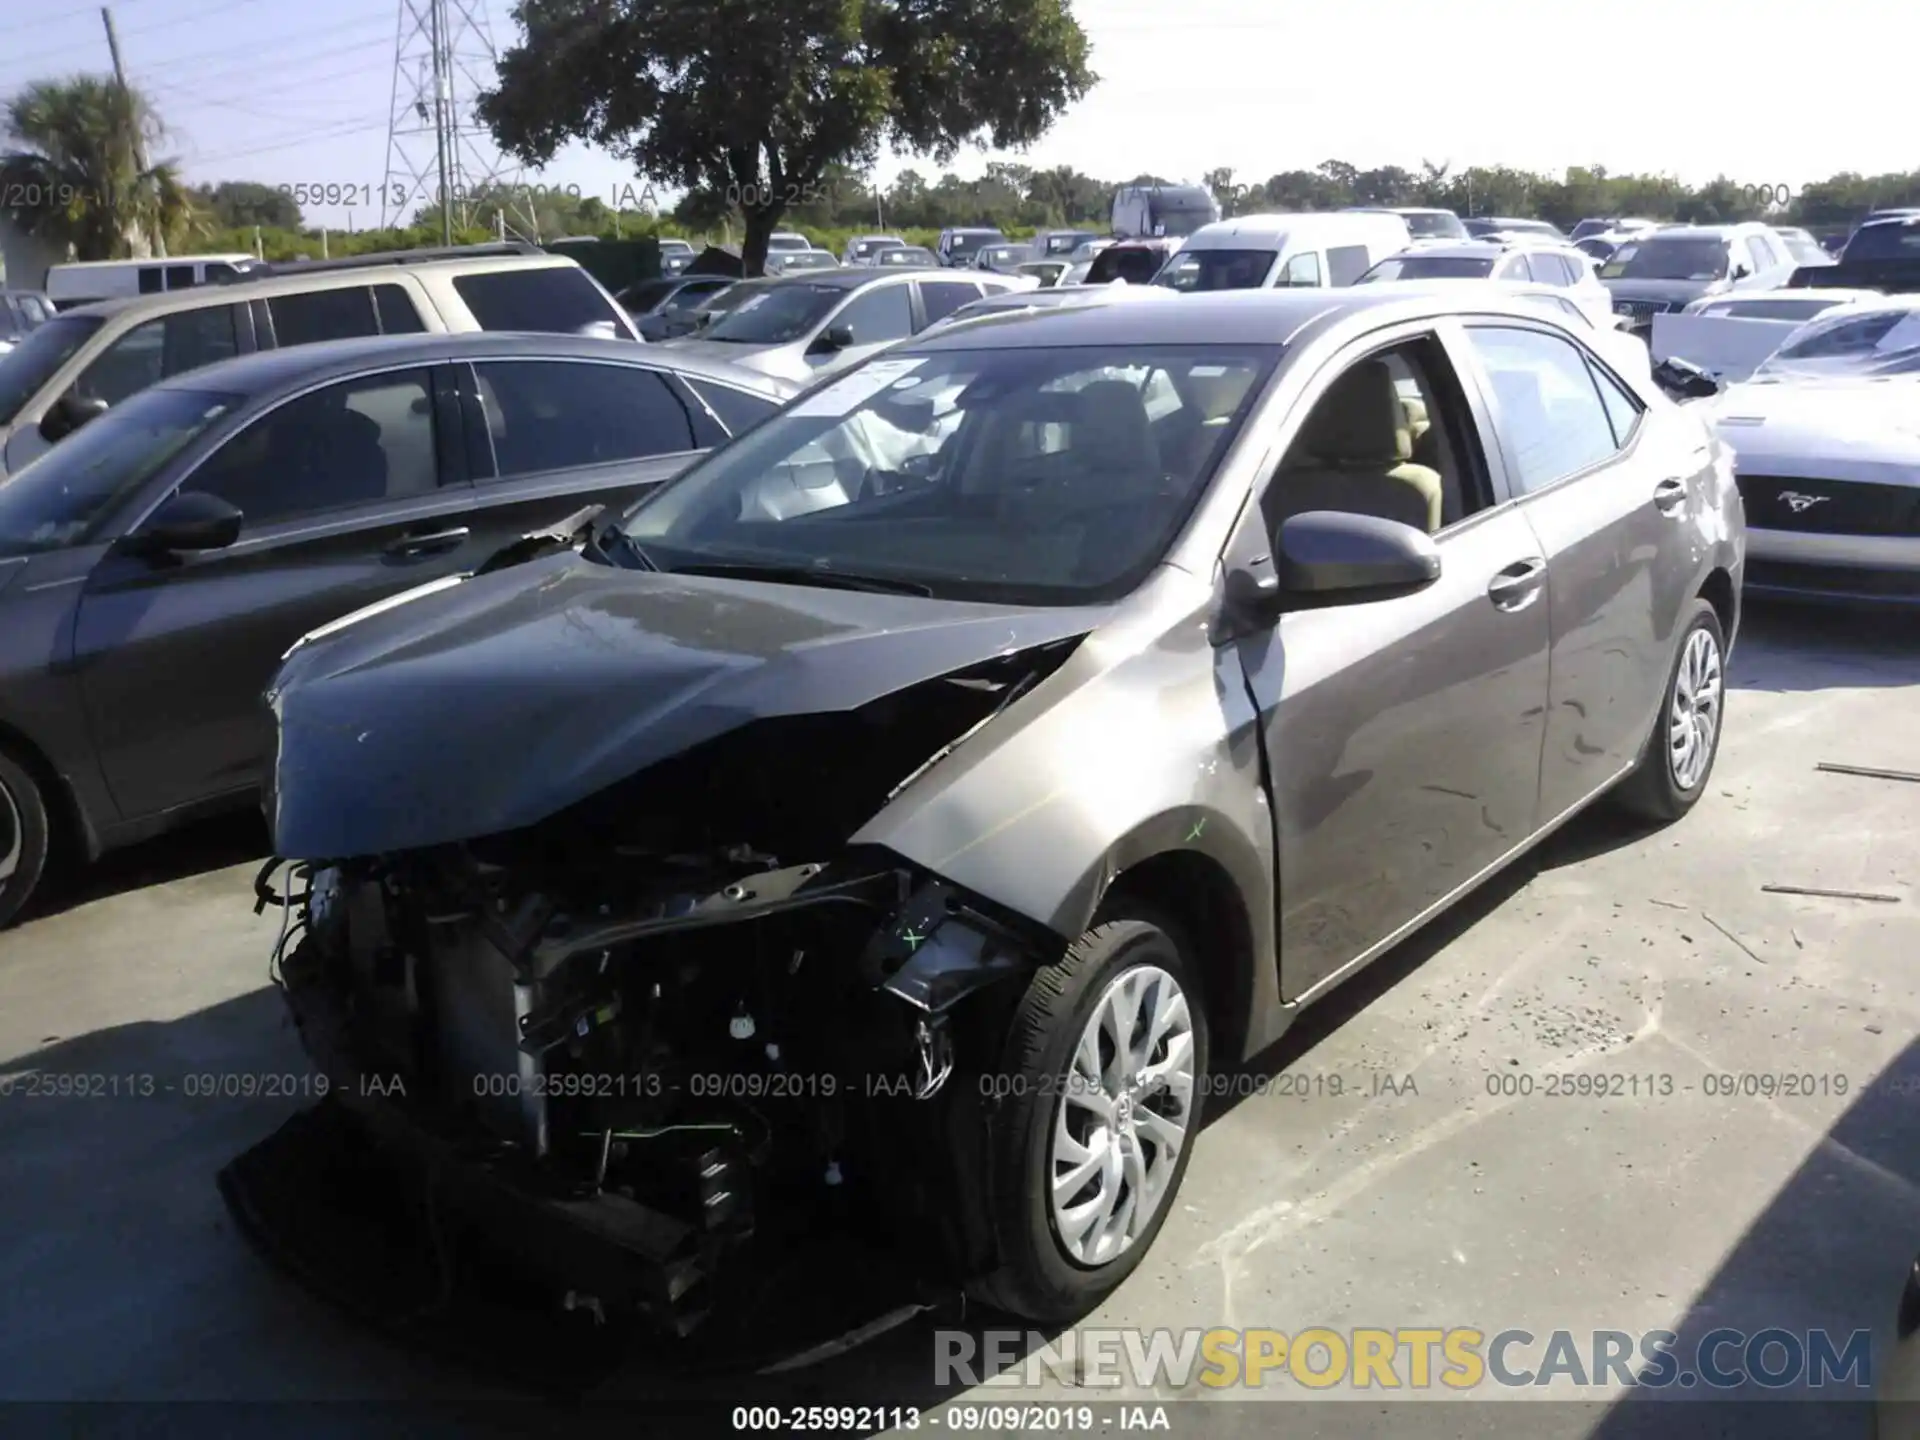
(72, 172)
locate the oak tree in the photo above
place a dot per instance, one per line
(754, 102)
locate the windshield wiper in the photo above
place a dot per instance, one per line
(804, 575)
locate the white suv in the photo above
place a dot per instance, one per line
(82, 361)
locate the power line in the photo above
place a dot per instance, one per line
(362, 127)
(174, 24)
(252, 49)
(277, 86)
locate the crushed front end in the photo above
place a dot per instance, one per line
(657, 1043)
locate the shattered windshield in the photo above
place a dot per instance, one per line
(1881, 342)
(1026, 476)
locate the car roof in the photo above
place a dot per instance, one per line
(1235, 317)
(842, 279)
(1705, 232)
(1488, 249)
(297, 365)
(265, 287)
(1266, 226)
(973, 230)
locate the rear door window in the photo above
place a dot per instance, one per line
(551, 300)
(319, 315)
(556, 415)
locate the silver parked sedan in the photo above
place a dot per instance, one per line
(898, 813)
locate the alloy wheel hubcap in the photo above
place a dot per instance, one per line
(1122, 1121)
(1693, 721)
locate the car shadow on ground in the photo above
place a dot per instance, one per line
(181, 854)
(1789, 648)
(1802, 1267)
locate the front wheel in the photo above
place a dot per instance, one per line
(1103, 1084)
(23, 837)
(1679, 755)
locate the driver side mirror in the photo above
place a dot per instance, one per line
(68, 414)
(834, 337)
(186, 522)
(1742, 272)
(1336, 557)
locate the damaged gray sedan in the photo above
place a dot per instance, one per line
(898, 814)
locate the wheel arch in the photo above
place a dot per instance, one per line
(66, 817)
(1719, 591)
(1209, 880)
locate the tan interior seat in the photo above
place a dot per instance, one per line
(1354, 455)
(1113, 437)
(1214, 399)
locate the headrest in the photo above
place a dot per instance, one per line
(1218, 395)
(1112, 427)
(1358, 421)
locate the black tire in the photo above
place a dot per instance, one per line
(24, 837)
(1653, 791)
(1037, 1279)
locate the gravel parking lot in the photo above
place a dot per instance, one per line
(1461, 1193)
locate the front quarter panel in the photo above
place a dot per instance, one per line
(1143, 743)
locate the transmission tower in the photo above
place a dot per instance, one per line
(437, 151)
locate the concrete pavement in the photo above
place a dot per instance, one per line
(1442, 1185)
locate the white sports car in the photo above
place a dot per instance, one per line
(1826, 442)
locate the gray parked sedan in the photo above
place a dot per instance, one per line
(156, 566)
(963, 760)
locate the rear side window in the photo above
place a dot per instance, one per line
(396, 311)
(554, 300)
(322, 315)
(554, 415)
(1347, 263)
(1552, 420)
(736, 409)
(152, 280)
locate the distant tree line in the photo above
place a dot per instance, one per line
(69, 175)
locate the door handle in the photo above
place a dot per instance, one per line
(1517, 586)
(429, 544)
(1669, 495)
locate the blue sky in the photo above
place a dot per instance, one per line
(289, 93)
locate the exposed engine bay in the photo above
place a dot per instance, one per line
(683, 1023)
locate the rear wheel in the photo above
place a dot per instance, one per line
(1103, 1078)
(23, 837)
(1679, 756)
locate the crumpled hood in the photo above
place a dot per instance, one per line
(495, 703)
(1838, 429)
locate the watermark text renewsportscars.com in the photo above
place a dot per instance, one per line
(1433, 1359)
